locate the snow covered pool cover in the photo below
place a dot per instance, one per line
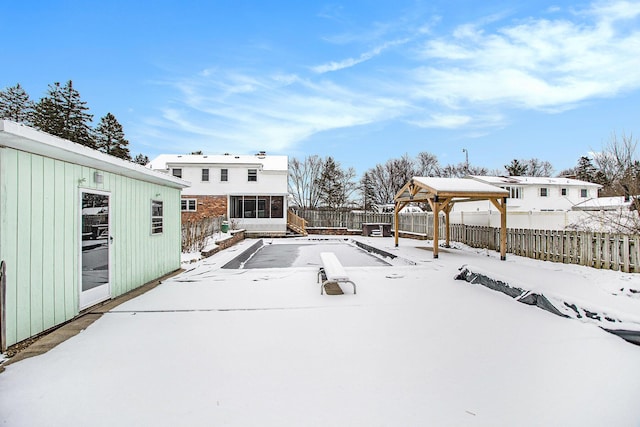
(282, 254)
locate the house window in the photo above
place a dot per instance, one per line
(156, 217)
(177, 172)
(253, 175)
(257, 207)
(544, 192)
(514, 192)
(224, 175)
(205, 175)
(563, 191)
(584, 192)
(188, 205)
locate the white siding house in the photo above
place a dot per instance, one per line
(250, 190)
(536, 194)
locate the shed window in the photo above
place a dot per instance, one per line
(177, 172)
(188, 205)
(156, 217)
(544, 192)
(253, 175)
(205, 175)
(224, 175)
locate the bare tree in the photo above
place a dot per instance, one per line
(427, 165)
(537, 167)
(303, 181)
(616, 164)
(384, 181)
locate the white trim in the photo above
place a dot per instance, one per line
(102, 292)
(151, 216)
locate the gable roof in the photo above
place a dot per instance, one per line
(28, 139)
(267, 162)
(422, 188)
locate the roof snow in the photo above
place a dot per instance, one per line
(269, 163)
(533, 180)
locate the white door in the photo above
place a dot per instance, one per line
(95, 242)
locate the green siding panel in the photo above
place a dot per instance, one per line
(36, 237)
(59, 236)
(23, 251)
(48, 244)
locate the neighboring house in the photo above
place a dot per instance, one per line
(251, 191)
(614, 203)
(532, 194)
(77, 227)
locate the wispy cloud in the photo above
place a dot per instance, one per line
(277, 113)
(469, 78)
(350, 62)
(537, 64)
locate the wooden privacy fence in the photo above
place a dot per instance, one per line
(335, 219)
(599, 250)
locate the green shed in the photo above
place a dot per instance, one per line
(77, 227)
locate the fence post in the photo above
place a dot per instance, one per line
(625, 253)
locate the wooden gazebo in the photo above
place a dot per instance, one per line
(442, 194)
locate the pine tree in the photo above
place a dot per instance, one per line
(515, 168)
(109, 138)
(585, 170)
(330, 183)
(62, 113)
(15, 105)
(141, 159)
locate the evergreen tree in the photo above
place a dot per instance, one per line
(109, 138)
(141, 159)
(330, 183)
(515, 168)
(62, 113)
(15, 105)
(585, 170)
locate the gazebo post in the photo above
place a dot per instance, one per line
(501, 205)
(395, 221)
(446, 210)
(503, 230)
(435, 207)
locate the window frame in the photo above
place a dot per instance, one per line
(224, 175)
(252, 175)
(515, 192)
(204, 177)
(188, 203)
(544, 192)
(584, 193)
(257, 206)
(564, 192)
(178, 174)
(155, 228)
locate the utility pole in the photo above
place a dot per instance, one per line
(466, 163)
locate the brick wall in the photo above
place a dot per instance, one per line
(236, 236)
(207, 206)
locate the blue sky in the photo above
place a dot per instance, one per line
(362, 81)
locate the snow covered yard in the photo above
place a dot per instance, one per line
(262, 347)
